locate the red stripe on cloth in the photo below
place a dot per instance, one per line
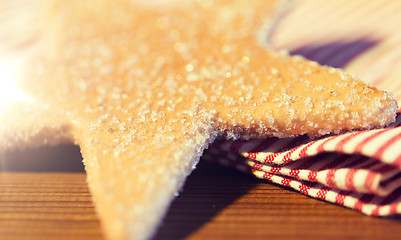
(369, 181)
(304, 189)
(270, 158)
(378, 154)
(375, 211)
(397, 161)
(358, 148)
(320, 148)
(341, 197)
(349, 179)
(294, 173)
(252, 155)
(287, 156)
(299, 143)
(393, 208)
(341, 144)
(302, 153)
(366, 198)
(268, 176)
(275, 170)
(312, 176)
(257, 166)
(286, 182)
(322, 193)
(330, 181)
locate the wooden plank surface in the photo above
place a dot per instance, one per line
(216, 203)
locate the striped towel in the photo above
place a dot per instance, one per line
(359, 170)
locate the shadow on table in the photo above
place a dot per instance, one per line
(207, 192)
(62, 158)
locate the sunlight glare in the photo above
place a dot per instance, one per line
(9, 92)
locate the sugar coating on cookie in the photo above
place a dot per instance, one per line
(143, 90)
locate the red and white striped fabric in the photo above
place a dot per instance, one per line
(359, 170)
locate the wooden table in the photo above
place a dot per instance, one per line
(38, 201)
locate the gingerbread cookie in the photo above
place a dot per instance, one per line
(144, 88)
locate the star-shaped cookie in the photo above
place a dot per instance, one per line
(143, 88)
